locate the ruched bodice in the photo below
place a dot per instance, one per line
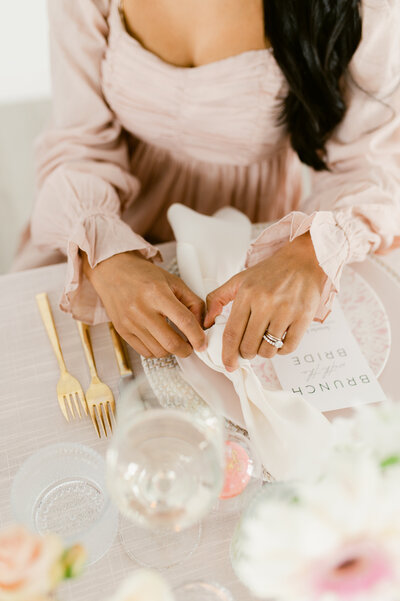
(206, 136)
(223, 112)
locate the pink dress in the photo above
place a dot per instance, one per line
(131, 134)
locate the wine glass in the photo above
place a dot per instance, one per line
(165, 470)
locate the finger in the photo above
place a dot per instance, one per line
(277, 328)
(168, 338)
(157, 350)
(233, 333)
(218, 298)
(184, 320)
(294, 335)
(193, 302)
(137, 345)
(252, 337)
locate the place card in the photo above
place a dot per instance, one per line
(328, 368)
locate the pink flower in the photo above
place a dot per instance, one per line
(354, 571)
(336, 539)
(29, 565)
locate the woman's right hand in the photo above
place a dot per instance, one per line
(138, 297)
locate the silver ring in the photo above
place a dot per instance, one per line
(275, 338)
(272, 340)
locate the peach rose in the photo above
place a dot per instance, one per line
(29, 565)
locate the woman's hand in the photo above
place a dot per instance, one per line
(280, 294)
(139, 296)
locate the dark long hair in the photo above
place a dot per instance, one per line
(313, 42)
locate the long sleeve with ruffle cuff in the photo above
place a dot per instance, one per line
(100, 237)
(93, 226)
(83, 159)
(354, 208)
(338, 238)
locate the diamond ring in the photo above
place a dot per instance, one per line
(272, 340)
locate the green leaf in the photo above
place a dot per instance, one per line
(389, 461)
(68, 572)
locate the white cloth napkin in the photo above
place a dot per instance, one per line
(289, 434)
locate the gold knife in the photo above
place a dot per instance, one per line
(121, 354)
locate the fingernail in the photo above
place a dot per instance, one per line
(203, 348)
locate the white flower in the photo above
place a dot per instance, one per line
(373, 429)
(338, 538)
(144, 585)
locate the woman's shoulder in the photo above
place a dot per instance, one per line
(376, 64)
(379, 4)
(76, 8)
(379, 12)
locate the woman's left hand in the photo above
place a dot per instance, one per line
(280, 294)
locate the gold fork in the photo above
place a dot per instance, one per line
(99, 396)
(69, 391)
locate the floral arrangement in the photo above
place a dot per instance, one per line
(31, 567)
(335, 537)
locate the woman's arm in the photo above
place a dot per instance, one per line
(280, 294)
(353, 210)
(82, 158)
(84, 181)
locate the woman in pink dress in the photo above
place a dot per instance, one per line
(214, 104)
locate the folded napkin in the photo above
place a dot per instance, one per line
(290, 435)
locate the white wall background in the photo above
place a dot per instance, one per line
(24, 65)
(24, 109)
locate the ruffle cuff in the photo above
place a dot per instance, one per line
(338, 238)
(100, 237)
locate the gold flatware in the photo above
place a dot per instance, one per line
(120, 352)
(99, 396)
(69, 391)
